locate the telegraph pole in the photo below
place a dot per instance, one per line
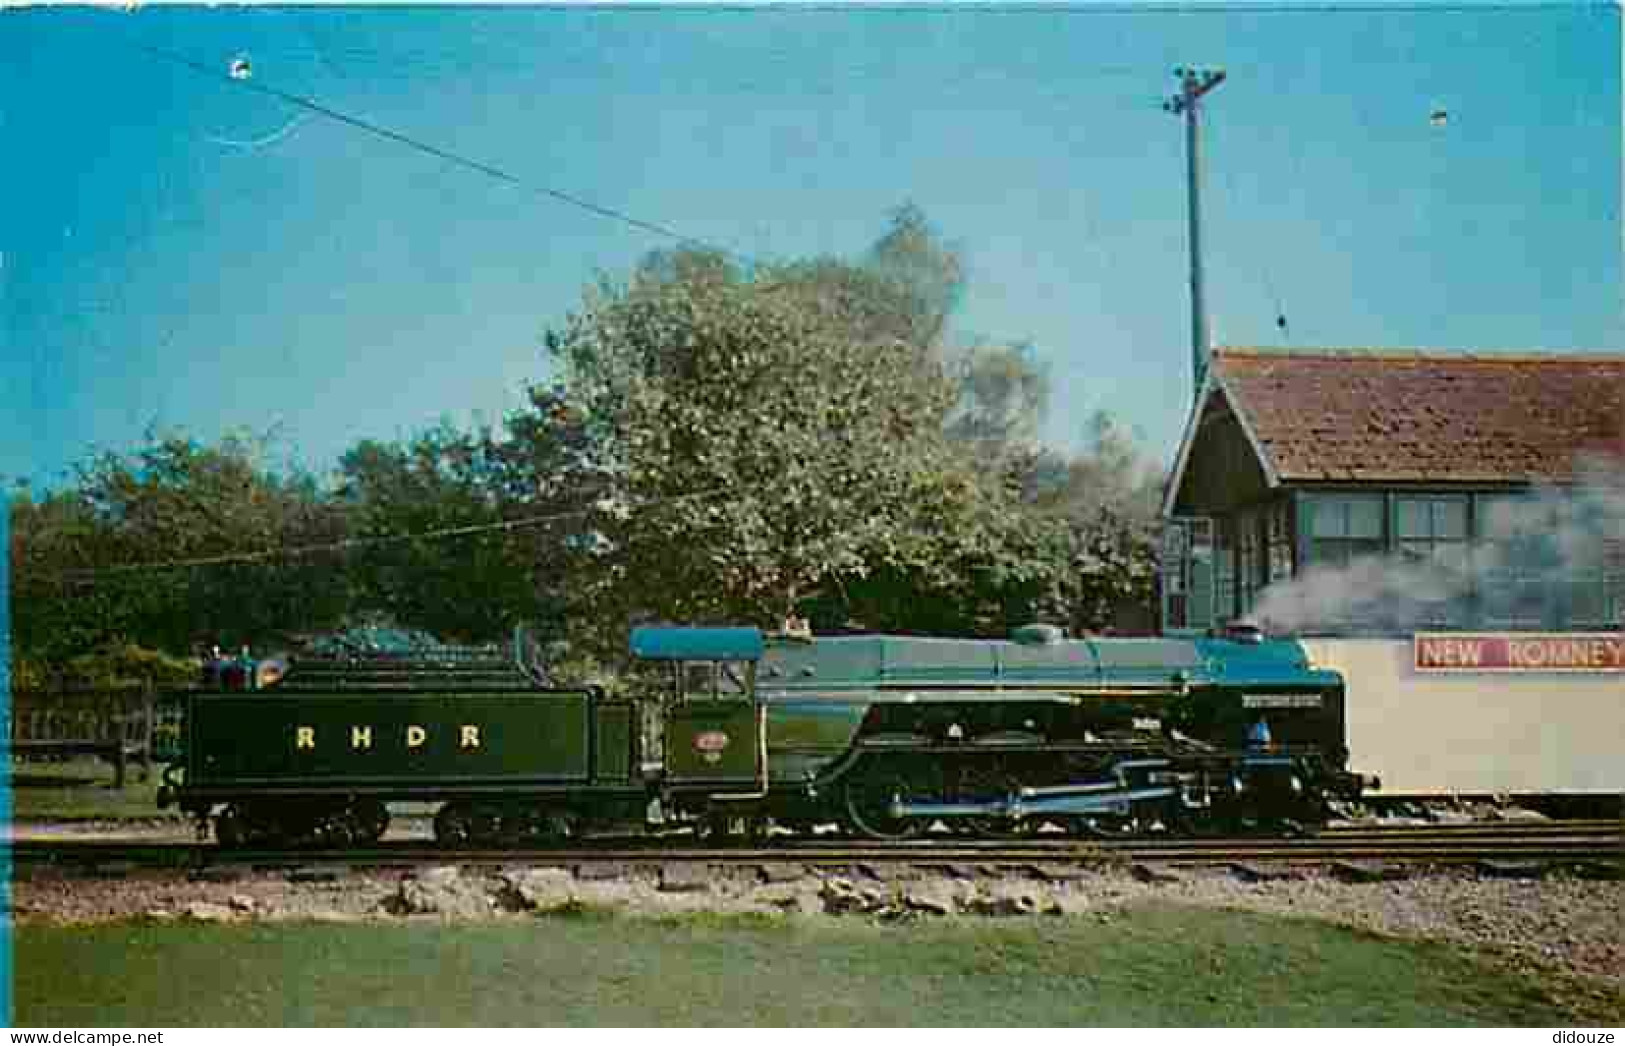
(1193, 84)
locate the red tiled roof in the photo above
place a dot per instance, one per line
(1390, 416)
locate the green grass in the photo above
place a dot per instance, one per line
(82, 790)
(1154, 966)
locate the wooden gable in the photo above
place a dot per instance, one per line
(1221, 470)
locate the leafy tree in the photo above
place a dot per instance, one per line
(990, 573)
(1108, 499)
(923, 274)
(757, 449)
(1110, 472)
(1003, 395)
(54, 615)
(96, 563)
(121, 664)
(477, 563)
(773, 440)
(801, 438)
(718, 444)
(903, 290)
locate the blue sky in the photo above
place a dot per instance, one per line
(161, 268)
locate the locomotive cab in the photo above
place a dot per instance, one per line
(714, 730)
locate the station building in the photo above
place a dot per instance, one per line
(1303, 474)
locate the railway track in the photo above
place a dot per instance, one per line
(1519, 844)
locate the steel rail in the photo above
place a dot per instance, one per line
(1353, 830)
(1339, 830)
(1600, 841)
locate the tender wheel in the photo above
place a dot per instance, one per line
(454, 825)
(228, 828)
(556, 826)
(487, 825)
(369, 819)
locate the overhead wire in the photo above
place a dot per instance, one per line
(313, 106)
(165, 216)
(418, 144)
(348, 544)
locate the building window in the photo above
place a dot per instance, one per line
(1249, 559)
(1592, 595)
(1175, 565)
(1585, 602)
(1519, 557)
(1613, 572)
(1187, 573)
(1550, 563)
(1278, 537)
(1431, 540)
(1343, 527)
(1199, 585)
(1224, 570)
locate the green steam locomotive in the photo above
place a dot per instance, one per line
(733, 732)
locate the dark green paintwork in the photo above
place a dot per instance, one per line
(614, 742)
(805, 736)
(237, 739)
(813, 723)
(693, 727)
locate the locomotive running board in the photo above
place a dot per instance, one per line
(1018, 807)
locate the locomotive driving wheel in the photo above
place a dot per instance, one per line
(1104, 826)
(869, 801)
(872, 793)
(991, 783)
(1133, 821)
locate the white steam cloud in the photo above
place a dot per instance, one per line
(1556, 535)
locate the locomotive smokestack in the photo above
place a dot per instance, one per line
(1242, 630)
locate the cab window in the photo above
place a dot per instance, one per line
(716, 680)
(699, 680)
(734, 678)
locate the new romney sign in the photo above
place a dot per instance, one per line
(1519, 651)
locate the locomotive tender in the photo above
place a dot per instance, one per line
(733, 731)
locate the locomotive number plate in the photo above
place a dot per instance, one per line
(711, 744)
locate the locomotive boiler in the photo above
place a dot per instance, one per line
(731, 731)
